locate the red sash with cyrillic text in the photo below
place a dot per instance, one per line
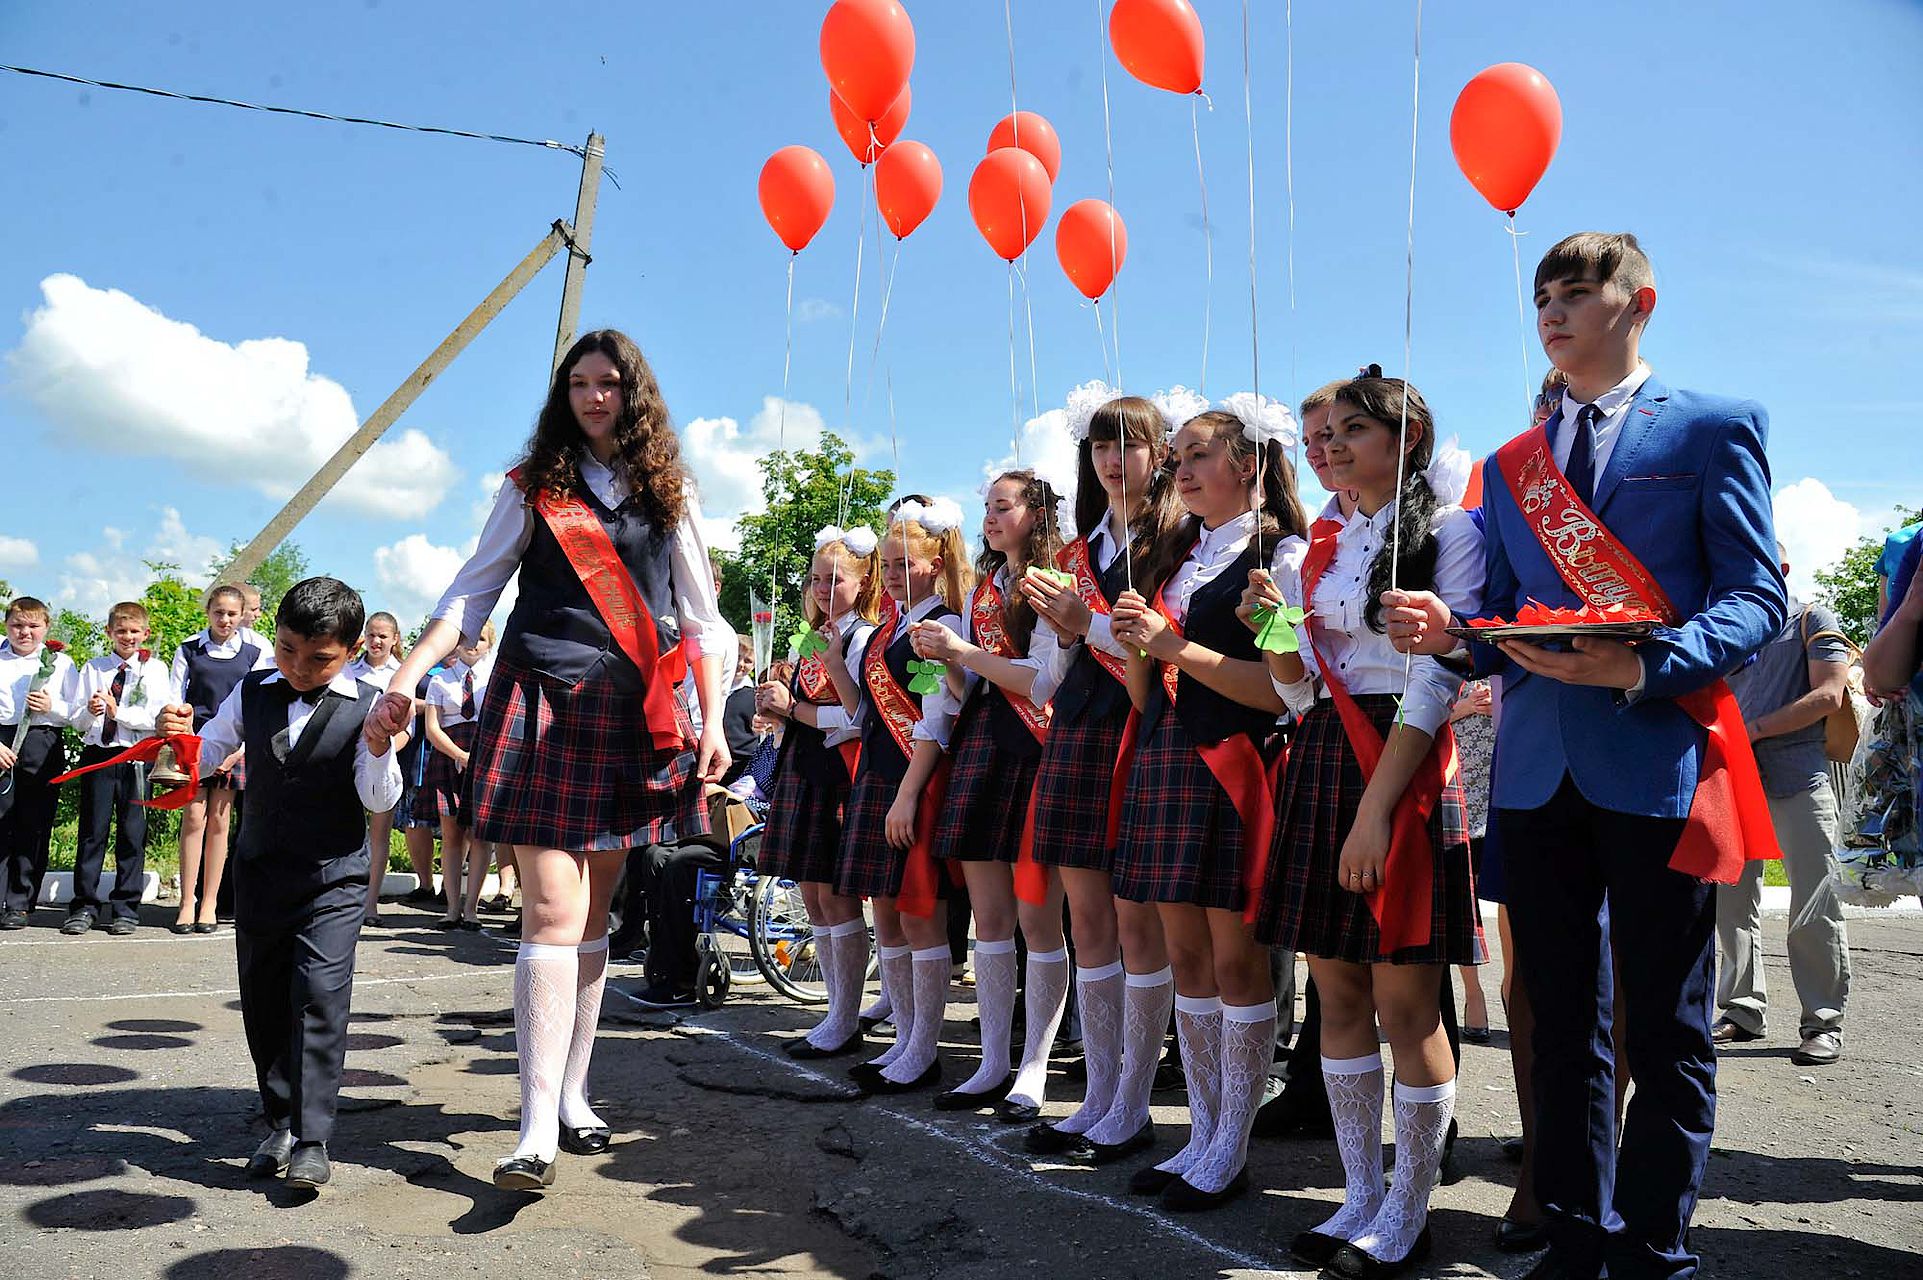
(1402, 904)
(899, 711)
(590, 551)
(186, 751)
(988, 618)
(1729, 822)
(814, 686)
(1073, 559)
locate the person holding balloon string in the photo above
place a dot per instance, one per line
(583, 750)
(1195, 828)
(994, 692)
(1368, 869)
(814, 773)
(1125, 501)
(888, 818)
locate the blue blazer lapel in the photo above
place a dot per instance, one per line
(1644, 413)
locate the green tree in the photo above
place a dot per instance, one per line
(806, 491)
(85, 639)
(1848, 587)
(279, 571)
(174, 610)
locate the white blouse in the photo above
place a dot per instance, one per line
(836, 725)
(446, 690)
(471, 597)
(1214, 552)
(934, 726)
(380, 677)
(1363, 657)
(1041, 644)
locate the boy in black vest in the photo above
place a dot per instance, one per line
(301, 868)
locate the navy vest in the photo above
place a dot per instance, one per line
(1207, 715)
(1088, 692)
(304, 809)
(555, 628)
(210, 679)
(879, 754)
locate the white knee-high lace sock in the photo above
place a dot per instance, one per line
(1355, 1101)
(545, 978)
(1198, 1029)
(1044, 997)
(590, 980)
(995, 1002)
(930, 983)
(1422, 1125)
(824, 947)
(1145, 1009)
(898, 988)
(1248, 1048)
(845, 966)
(1100, 992)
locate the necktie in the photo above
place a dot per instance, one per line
(1581, 468)
(283, 694)
(467, 696)
(109, 726)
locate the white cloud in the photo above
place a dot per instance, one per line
(106, 369)
(172, 544)
(1815, 527)
(1046, 449)
(91, 582)
(809, 310)
(18, 553)
(410, 576)
(723, 455)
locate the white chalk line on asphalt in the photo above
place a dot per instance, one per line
(359, 983)
(987, 1153)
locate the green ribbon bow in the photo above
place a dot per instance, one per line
(806, 641)
(1275, 627)
(925, 675)
(1060, 577)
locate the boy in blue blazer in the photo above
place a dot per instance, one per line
(1609, 786)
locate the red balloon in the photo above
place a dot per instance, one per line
(867, 49)
(865, 148)
(1504, 129)
(797, 191)
(1032, 134)
(1159, 42)
(1008, 196)
(1092, 244)
(907, 185)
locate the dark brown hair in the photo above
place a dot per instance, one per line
(1132, 420)
(221, 591)
(1278, 509)
(1602, 256)
(1039, 548)
(645, 444)
(1383, 400)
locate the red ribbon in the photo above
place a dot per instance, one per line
(585, 542)
(1729, 823)
(186, 750)
(1402, 903)
(921, 875)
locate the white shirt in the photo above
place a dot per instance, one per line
(250, 636)
(16, 681)
(148, 688)
(447, 690)
(177, 673)
(1613, 404)
(1103, 546)
(471, 597)
(380, 677)
(934, 726)
(1214, 552)
(376, 778)
(1363, 657)
(1285, 567)
(1041, 643)
(836, 725)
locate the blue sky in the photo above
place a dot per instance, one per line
(1767, 154)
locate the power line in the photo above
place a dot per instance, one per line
(548, 143)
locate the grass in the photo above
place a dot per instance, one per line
(163, 847)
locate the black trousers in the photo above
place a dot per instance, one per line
(294, 938)
(110, 812)
(26, 814)
(1562, 862)
(669, 875)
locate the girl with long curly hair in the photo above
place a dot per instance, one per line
(583, 751)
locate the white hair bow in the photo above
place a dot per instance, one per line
(1177, 405)
(1263, 420)
(859, 540)
(938, 516)
(1448, 472)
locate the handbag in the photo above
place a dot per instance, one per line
(1841, 729)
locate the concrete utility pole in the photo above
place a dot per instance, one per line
(578, 255)
(560, 236)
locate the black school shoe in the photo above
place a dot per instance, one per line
(956, 1100)
(590, 1141)
(1109, 1152)
(270, 1157)
(1351, 1263)
(1182, 1196)
(77, 924)
(1047, 1140)
(803, 1051)
(524, 1173)
(308, 1168)
(10, 920)
(123, 926)
(878, 1083)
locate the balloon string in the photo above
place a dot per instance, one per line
(1014, 388)
(1101, 339)
(1028, 310)
(854, 309)
(1255, 335)
(1108, 147)
(887, 293)
(1408, 330)
(1208, 239)
(894, 446)
(1288, 175)
(1522, 322)
(781, 437)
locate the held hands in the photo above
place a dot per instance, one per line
(175, 719)
(374, 733)
(1414, 622)
(393, 713)
(1365, 853)
(900, 823)
(1063, 608)
(934, 641)
(712, 757)
(1477, 699)
(1607, 664)
(1261, 593)
(1141, 627)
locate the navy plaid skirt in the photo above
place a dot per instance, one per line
(443, 792)
(1303, 908)
(802, 838)
(868, 865)
(986, 807)
(1181, 838)
(1071, 793)
(573, 767)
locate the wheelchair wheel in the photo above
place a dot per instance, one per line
(782, 942)
(712, 974)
